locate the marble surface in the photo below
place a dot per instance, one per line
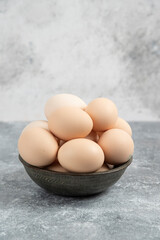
(89, 48)
(130, 210)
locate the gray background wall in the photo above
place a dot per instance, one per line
(89, 48)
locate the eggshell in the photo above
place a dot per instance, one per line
(62, 100)
(117, 145)
(55, 166)
(37, 146)
(104, 168)
(92, 136)
(70, 122)
(103, 113)
(81, 155)
(110, 166)
(40, 123)
(122, 124)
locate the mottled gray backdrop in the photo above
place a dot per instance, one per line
(89, 48)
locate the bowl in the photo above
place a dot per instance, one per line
(74, 184)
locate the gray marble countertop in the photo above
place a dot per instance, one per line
(130, 210)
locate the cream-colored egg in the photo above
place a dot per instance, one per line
(122, 124)
(70, 122)
(103, 113)
(117, 145)
(37, 146)
(55, 166)
(81, 155)
(104, 168)
(62, 100)
(92, 136)
(40, 123)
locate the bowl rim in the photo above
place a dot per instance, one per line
(117, 169)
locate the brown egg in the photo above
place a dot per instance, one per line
(37, 146)
(103, 113)
(122, 124)
(92, 136)
(70, 122)
(40, 123)
(104, 168)
(62, 100)
(55, 166)
(117, 145)
(81, 155)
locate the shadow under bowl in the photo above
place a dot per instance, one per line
(75, 184)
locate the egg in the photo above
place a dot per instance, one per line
(104, 168)
(81, 156)
(40, 123)
(103, 113)
(117, 145)
(55, 166)
(37, 146)
(70, 122)
(92, 136)
(62, 100)
(122, 124)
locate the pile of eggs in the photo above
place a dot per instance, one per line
(77, 137)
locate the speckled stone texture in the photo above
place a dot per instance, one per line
(130, 210)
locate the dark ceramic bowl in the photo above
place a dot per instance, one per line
(75, 184)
